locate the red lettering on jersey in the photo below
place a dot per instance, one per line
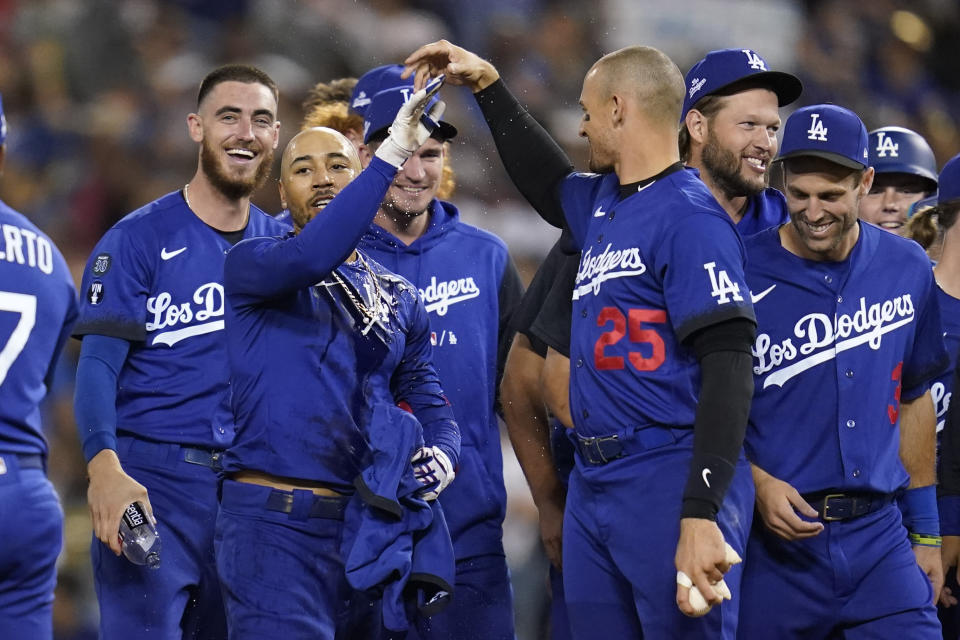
(637, 334)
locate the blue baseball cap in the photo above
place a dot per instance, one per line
(949, 180)
(826, 131)
(373, 82)
(900, 150)
(3, 123)
(725, 67)
(384, 106)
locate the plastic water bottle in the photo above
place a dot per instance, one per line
(138, 537)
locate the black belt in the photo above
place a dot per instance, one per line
(203, 457)
(600, 450)
(328, 507)
(844, 506)
(25, 460)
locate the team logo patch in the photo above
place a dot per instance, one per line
(755, 61)
(816, 131)
(886, 145)
(101, 264)
(95, 292)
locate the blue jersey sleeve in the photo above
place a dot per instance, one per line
(416, 383)
(702, 263)
(929, 357)
(116, 283)
(264, 268)
(578, 195)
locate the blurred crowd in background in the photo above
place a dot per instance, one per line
(96, 94)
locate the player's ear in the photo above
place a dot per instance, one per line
(195, 127)
(283, 194)
(366, 154)
(617, 107)
(276, 134)
(866, 181)
(696, 125)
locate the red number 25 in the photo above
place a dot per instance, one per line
(634, 322)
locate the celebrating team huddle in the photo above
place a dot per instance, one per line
(747, 375)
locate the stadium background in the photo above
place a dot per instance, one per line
(96, 93)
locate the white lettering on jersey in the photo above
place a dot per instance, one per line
(816, 131)
(886, 145)
(821, 339)
(595, 270)
(755, 61)
(209, 304)
(721, 285)
(696, 84)
(24, 246)
(941, 402)
(438, 296)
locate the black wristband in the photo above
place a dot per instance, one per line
(710, 477)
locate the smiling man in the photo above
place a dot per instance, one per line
(841, 429)
(728, 131)
(906, 172)
(152, 396)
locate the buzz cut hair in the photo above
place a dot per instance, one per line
(248, 74)
(650, 74)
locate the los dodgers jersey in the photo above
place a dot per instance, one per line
(941, 389)
(38, 306)
(655, 267)
(156, 280)
(839, 345)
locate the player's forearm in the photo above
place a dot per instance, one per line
(267, 269)
(918, 440)
(533, 160)
(555, 382)
(95, 393)
(527, 421)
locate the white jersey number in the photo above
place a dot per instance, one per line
(26, 306)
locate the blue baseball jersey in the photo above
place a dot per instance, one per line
(38, 306)
(306, 366)
(656, 266)
(764, 210)
(468, 285)
(839, 345)
(156, 279)
(941, 389)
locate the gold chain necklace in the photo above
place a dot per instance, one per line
(372, 314)
(186, 197)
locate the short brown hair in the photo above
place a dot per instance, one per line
(245, 73)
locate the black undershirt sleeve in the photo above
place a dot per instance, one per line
(726, 391)
(949, 472)
(533, 160)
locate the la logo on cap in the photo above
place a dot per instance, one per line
(816, 131)
(755, 61)
(886, 145)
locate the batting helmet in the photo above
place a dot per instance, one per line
(900, 150)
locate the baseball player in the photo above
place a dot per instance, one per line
(842, 427)
(470, 287)
(310, 317)
(906, 172)
(38, 306)
(728, 132)
(659, 348)
(152, 397)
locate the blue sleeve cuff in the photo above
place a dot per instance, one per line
(949, 507)
(97, 442)
(446, 435)
(919, 509)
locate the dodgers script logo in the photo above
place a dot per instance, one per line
(819, 338)
(608, 265)
(438, 296)
(885, 145)
(941, 402)
(208, 299)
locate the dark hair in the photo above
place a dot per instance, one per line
(923, 227)
(245, 73)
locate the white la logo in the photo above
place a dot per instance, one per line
(886, 145)
(816, 131)
(721, 285)
(755, 61)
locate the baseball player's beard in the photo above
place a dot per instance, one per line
(234, 188)
(724, 169)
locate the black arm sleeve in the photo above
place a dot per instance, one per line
(510, 295)
(533, 160)
(726, 390)
(950, 445)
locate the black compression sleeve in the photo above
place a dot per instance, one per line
(534, 161)
(949, 477)
(726, 389)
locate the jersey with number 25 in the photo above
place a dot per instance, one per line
(656, 266)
